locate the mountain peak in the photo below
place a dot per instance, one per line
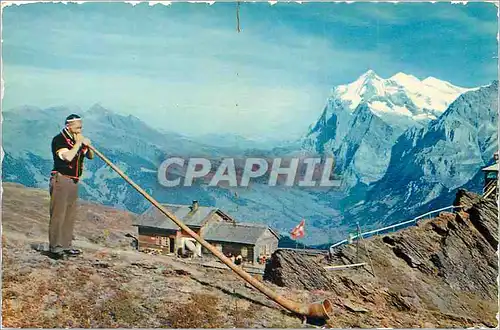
(404, 79)
(370, 72)
(444, 86)
(369, 75)
(431, 79)
(365, 87)
(97, 108)
(401, 94)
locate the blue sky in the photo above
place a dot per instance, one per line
(185, 68)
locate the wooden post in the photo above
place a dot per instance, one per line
(236, 315)
(367, 253)
(357, 241)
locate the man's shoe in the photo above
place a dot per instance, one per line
(55, 255)
(72, 252)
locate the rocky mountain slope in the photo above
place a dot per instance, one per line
(362, 120)
(402, 147)
(441, 273)
(120, 287)
(139, 150)
(111, 284)
(428, 165)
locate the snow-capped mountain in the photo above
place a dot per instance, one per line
(394, 168)
(400, 99)
(138, 150)
(362, 120)
(428, 164)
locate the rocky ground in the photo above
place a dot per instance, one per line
(111, 284)
(439, 274)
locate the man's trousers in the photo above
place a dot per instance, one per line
(63, 204)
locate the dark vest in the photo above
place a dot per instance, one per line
(74, 168)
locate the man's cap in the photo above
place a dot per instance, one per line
(72, 117)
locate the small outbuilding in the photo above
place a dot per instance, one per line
(250, 240)
(490, 175)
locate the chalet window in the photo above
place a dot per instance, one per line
(163, 241)
(491, 175)
(244, 252)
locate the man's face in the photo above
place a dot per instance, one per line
(75, 127)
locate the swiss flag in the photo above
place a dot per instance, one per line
(298, 231)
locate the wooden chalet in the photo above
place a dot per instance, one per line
(157, 232)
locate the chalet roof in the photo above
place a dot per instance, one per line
(244, 233)
(156, 219)
(493, 167)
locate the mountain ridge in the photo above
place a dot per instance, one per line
(363, 145)
(435, 161)
(139, 153)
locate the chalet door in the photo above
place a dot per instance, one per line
(172, 244)
(244, 252)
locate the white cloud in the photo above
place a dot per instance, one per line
(209, 80)
(251, 111)
(187, 70)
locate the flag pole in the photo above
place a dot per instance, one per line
(297, 232)
(303, 233)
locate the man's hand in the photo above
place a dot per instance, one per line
(79, 138)
(86, 142)
(68, 155)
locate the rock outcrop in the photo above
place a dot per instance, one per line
(290, 269)
(446, 265)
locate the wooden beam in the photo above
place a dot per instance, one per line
(490, 190)
(344, 266)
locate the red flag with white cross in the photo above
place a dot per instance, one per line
(299, 230)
